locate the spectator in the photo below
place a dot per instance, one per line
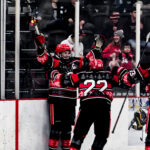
(129, 28)
(52, 23)
(113, 49)
(89, 31)
(127, 57)
(71, 42)
(114, 17)
(47, 13)
(70, 14)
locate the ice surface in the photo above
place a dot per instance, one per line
(122, 139)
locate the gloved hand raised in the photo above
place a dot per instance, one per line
(40, 42)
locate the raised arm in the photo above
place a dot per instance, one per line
(43, 56)
(127, 79)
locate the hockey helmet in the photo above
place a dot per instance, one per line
(62, 48)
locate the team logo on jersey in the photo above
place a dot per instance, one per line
(74, 66)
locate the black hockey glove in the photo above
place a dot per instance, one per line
(66, 80)
(134, 76)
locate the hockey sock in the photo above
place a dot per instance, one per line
(72, 148)
(65, 144)
(147, 147)
(53, 144)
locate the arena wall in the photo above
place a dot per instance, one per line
(25, 126)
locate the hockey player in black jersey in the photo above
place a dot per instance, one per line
(62, 100)
(96, 95)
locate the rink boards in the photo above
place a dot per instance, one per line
(24, 125)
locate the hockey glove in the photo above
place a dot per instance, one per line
(40, 43)
(66, 80)
(96, 64)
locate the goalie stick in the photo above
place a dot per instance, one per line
(141, 138)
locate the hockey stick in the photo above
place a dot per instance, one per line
(35, 24)
(141, 138)
(116, 122)
(34, 19)
(132, 122)
(147, 39)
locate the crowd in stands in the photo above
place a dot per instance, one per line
(116, 30)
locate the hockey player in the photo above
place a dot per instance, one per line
(62, 100)
(96, 95)
(139, 119)
(54, 62)
(62, 103)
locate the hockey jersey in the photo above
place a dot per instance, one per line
(57, 93)
(74, 63)
(94, 54)
(99, 85)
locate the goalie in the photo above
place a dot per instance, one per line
(139, 120)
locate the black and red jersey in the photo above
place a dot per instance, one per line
(59, 94)
(95, 85)
(53, 62)
(59, 67)
(75, 63)
(99, 85)
(94, 54)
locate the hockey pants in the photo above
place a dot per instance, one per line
(89, 114)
